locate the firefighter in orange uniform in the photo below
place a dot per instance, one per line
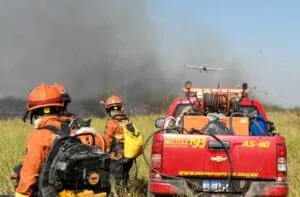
(114, 138)
(46, 107)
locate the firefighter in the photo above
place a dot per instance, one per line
(114, 137)
(46, 106)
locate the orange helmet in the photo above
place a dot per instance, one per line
(113, 101)
(60, 88)
(66, 99)
(44, 96)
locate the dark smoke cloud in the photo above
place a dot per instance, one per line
(99, 47)
(90, 46)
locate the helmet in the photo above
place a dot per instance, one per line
(44, 96)
(113, 101)
(66, 99)
(60, 88)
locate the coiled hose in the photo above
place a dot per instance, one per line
(229, 179)
(213, 102)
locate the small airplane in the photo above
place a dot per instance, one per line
(204, 68)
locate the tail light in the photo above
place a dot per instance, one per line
(156, 162)
(281, 155)
(156, 157)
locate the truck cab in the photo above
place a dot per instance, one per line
(213, 144)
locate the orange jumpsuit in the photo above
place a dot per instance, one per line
(38, 145)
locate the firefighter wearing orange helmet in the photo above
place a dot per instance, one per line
(114, 137)
(46, 107)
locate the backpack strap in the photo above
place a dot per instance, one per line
(62, 132)
(65, 128)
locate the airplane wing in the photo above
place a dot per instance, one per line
(195, 67)
(204, 68)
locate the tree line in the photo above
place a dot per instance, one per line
(12, 107)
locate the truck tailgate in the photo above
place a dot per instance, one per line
(201, 156)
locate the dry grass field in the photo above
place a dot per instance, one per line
(13, 134)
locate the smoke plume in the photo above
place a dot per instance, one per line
(96, 48)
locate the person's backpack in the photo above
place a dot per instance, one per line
(133, 140)
(73, 166)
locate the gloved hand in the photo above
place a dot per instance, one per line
(17, 194)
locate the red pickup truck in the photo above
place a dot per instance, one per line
(206, 148)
